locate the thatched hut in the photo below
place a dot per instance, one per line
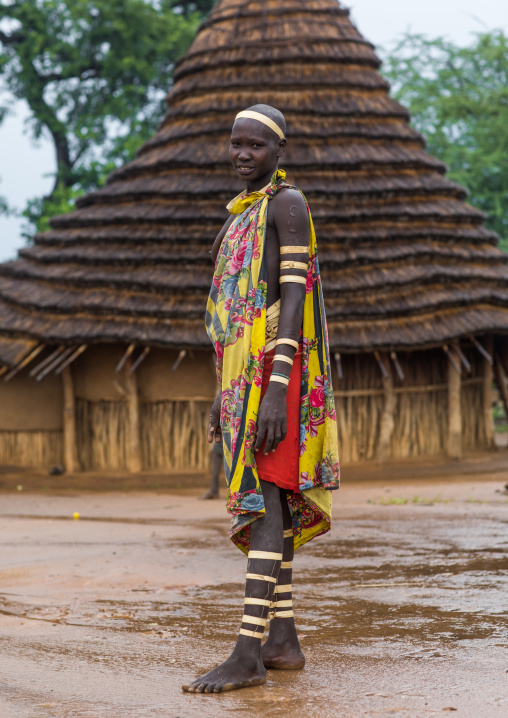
(104, 356)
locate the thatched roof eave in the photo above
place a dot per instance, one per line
(406, 263)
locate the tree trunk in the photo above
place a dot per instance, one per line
(69, 422)
(454, 408)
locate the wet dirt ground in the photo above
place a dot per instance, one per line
(402, 609)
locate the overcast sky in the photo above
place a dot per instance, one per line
(25, 169)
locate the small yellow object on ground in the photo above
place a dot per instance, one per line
(75, 516)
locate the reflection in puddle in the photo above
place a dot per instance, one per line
(382, 606)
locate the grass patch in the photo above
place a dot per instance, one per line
(399, 501)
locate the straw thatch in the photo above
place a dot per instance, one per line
(406, 263)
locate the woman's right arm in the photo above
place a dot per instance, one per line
(218, 239)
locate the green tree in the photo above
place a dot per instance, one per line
(458, 99)
(190, 6)
(94, 74)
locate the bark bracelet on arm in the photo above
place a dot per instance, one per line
(295, 278)
(280, 378)
(294, 249)
(276, 376)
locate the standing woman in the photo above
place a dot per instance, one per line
(275, 413)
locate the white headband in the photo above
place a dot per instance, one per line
(252, 115)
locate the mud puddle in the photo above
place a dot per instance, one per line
(401, 611)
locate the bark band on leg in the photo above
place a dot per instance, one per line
(254, 620)
(284, 609)
(269, 555)
(254, 633)
(254, 601)
(250, 601)
(259, 577)
(283, 588)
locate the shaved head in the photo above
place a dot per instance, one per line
(272, 113)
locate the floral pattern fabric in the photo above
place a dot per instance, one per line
(236, 325)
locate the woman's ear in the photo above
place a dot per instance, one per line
(282, 148)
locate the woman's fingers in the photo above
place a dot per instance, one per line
(260, 435)
(278, 437)
(270, 435)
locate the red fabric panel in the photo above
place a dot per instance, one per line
(281, 466)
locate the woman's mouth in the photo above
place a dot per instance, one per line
(244, 169)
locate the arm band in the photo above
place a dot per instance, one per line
(291, 342)
(279, 378)
(294, 265)
(282, 357)
(291, 278)
(294, 249)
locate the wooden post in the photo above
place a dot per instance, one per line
(387, 417)
(69, 422)
(342, 428)
(501, 382)
(488, 377)
(133, 437)
(454, 406)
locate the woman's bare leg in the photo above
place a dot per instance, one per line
(245, 666)
(282, 649)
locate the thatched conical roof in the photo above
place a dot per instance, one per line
(405, 261)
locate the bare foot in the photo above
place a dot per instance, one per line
(210, 495)
(237, 672)
(282, 649)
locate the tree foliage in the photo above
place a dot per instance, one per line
(191, 6)
(94, 74)
(458, 99)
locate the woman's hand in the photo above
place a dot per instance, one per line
(272, 418)
(214, 430)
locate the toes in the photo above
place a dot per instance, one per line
(209, 688)
(191, 688)
(201, 688)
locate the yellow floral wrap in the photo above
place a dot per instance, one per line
(236, 324)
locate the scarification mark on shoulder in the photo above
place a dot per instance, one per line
(293, 210)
